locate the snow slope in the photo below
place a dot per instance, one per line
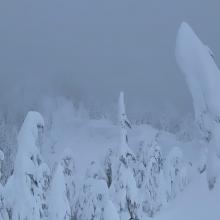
(195, 203)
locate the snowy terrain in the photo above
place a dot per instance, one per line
(196, 202)
(69, 166)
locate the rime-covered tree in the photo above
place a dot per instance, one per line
(124, 192)
(8, 146)
(203, 78)
(59, 208)
(123, 188)
(108, 167)
(174, 165)
(3, 210)
(153, 182)
(1, 160)
(28, 201)
(124, 124)
(212, 168)
(68, 167)
(202, 164)
(94, 202)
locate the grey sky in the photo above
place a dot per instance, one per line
(93, 49)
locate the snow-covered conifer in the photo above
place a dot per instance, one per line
(124, 192)
(202, 165)
(68, 166)
(94, 202)
(4, 215)
(197, 63)
(8, 146)
(58, 203)
(174, 164)
(139, 170)
(184, 177)
(213, 167)
(3, 211)
(124, 123)
(1, 159)
(28, 201)
(153, 191)
(124, 188)
(108, 167)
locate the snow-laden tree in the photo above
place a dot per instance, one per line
(2, 156)
(202, 164)
(176, 172)
(123, 187)
(184, 176)
(108, 166)
(94, 201)
(213, 167)
(4, 215)
(125, 154)
(150, 178)
(143, 155)
(124, 193)
(124, 124)
(3, 211)
(8, 146)
(203, 78)
(59, 208)
(154, 180)
(140, 168)
(68, 167)
(25, 192)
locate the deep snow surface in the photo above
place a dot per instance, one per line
(195, 203)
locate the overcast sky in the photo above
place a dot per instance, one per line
(93, 49)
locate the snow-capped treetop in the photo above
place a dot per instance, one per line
(202, 74)
(28, 155)
(123, 119)
(122, 112)
(123, 122)
(68, 164)
(29, 131)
